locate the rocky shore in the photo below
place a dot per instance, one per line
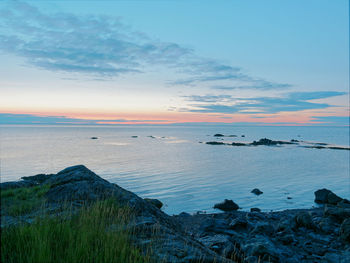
(301, 235)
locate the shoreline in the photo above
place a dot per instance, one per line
(320, 234)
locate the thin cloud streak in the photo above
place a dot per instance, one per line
(9, 118)
(290, 102)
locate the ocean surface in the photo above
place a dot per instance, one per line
(181, 172)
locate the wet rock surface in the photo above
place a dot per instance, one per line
(319, 234)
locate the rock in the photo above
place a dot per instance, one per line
(288, 197)
(333, 198)
(242, 135)
(256, 191)
(337, 213)
(339, 148)
(268, 142)
(184, 214)
(37, 179)
(326, 225)
(285, 239)
(134, 136)
(255, 209)
(94, 138)
(238, 224)
(238, 144)
(17, 184)
(214, 226)
(304, 219)
(232, 135)
(344, 231)
(325, 196)
(321, 196)
(215, 143)
(227, 205)
(154, 202)
(219, 135)
(344, 203)
(264, 250)
(263, 228)
(221, 244)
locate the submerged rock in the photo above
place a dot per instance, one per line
(94, 138)
(257, 191)
(227, 205)
(134, 136)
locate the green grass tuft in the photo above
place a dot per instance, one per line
(96, 233)
(20, 201)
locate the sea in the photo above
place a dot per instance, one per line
(173, 164)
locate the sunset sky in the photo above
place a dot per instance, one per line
(158, 62)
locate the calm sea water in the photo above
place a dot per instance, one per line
(183, 173)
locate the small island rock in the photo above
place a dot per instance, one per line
(257, 191)
(325, 196)
(227, 205)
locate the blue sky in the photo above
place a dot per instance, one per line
(175, 61)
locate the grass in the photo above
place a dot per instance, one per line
(20, 201)
(96, 233)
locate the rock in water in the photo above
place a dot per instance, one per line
(219, 135)
(227, 205)
(257, 191)
(325, 196)
(154, 202)
(215, 143)
(94, 138)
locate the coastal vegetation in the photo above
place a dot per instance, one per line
(96, 233)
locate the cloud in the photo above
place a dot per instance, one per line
(335, 120)
(104, 46)
(9, 118)
(295, 101)
(208, 98)
(84, 44)
(261, 85)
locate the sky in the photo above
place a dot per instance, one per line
(160, 62)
